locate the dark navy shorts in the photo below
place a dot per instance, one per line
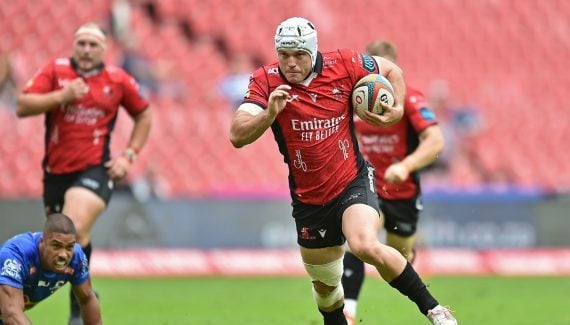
(93, 178)
(320, 226)
(401, 216)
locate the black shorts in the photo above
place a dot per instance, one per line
(320, 226)
(93, 178)
(401, 216)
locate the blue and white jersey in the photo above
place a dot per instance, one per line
(20, 268)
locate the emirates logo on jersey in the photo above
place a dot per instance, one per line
(317, 129)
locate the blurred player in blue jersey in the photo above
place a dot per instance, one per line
(34, 265)
(397, 152)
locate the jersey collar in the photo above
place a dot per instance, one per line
(89, 73)
(318, 64)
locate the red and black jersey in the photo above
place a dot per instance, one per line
(385, 146)
(315, 130)
(78, 134)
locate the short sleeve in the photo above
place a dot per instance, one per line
(418, 112)
(12, 268)
(132, 101)
(80, 267)
(42, 81)
(258, 88)
(358, 64)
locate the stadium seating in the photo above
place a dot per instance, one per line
(505, 58)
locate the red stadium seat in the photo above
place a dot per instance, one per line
(492, 53)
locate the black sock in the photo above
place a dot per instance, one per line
(335, 317)
(87, 250)
(353, 283)
(410, 285)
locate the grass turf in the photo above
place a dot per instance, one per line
(275, 301)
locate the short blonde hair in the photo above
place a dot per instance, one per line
(93, 30)
(382, 48)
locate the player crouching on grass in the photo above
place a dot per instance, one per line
(34, 265)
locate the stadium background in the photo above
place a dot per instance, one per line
(501, 207)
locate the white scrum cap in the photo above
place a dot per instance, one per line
(298, 34)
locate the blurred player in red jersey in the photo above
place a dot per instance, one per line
(397, 152)
(80, 97)
(305, 99)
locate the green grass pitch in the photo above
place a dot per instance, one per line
(288, 300)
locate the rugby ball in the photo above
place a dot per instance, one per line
(370, 91)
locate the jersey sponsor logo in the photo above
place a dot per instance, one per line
(83, 115)
(12, 268)
(427, 114)
(375, 143)
(84, 267)
(64, 82)
(43, 283)
(371, 179)
(273, 71)
(328, 62)
(343, 145)
(299, 163)
(52, 288)
(368, 63)
(317, 129)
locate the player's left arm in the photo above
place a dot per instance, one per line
(430, 147)
(88, 303)
(141, 129)
(390, 114)
(395, 75)
(119, 166)
(12, 305)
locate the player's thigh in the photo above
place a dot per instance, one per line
(360, 223)
(320, 256)
(83, 206)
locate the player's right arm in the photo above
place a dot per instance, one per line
(30, 104)
(250, 121)
(12, 306)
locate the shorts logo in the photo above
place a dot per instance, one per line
(322, 232)
(12, 268)
(90, 183)
(306, 234)
(371, 179)
(368, 63)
